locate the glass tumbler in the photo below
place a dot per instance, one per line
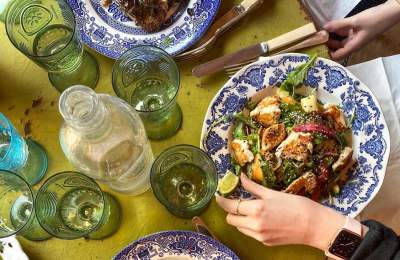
(23, 156)
(184, 179)
(70, 205)
(148, 79)
(17, 215)
(45, 31)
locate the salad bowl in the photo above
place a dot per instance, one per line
(333, 84)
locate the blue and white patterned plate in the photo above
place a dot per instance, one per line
(111, 33)
(335, 84)
(175, 245)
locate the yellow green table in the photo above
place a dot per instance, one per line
(28, 99)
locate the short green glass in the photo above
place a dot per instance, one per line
(45, 31)
(70, 205)
(184, 179)
(148, 79)
(17, 214)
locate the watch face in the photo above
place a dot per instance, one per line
(345, 244)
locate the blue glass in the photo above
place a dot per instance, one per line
(23, 156)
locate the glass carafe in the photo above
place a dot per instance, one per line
(103, 137)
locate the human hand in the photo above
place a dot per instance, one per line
(277, 218)
(360, 29)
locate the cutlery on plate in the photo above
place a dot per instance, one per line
(254, 51)
(218, 28)
(202, 228)
(316, 39)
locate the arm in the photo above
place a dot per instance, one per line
(380, 242)
(362, 28)
(277, 218)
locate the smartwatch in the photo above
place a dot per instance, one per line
(346, 240)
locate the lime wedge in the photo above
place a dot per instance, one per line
(228, 183)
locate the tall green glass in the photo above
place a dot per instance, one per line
(70, 205)
(17, 214)
(45, 31)
(148, 79)
(184, 179)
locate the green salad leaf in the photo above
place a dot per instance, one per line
(238, 132)
(290, 172)
(245, 119)
(236, 167)
(269, 175)
(297, 76)
(250, 105)
(291, 115)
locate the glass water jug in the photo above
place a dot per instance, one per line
(104, 138)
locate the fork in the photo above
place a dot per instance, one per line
(316, 39)
(220, 26)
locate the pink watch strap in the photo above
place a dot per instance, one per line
(353, 226)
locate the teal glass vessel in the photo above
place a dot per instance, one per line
(184, 179)
(17, 212)
(45, 31)
(148, 79)
(70, 205)
(24, 156)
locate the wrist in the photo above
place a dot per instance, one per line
(322, 229)
(392, 11)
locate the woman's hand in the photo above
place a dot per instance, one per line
(360, 29)
(277, 218)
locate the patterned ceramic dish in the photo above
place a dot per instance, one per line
(335, 84)
(10, 249)
(171, 245)
(111, 33)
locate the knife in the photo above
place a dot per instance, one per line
(229, 19)
(254, 51)
(202, 228)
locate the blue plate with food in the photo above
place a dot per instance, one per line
(113, 26)
(299, 125)
(176, 245)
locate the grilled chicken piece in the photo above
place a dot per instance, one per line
(308, 181)
(344, 173)
(272, 137)
(336, 115)
(328, 147)
(298, 146)
(267, 111)
(344, 159)
(241, 152)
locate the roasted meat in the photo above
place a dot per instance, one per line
(148, 14)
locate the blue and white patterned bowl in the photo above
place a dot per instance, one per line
(175, 245)
(111, 33)
(335, 84)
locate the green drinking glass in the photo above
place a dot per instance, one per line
(184, 179)
(45, 31)
(70, 205)
(148, 79)
(17, 214)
